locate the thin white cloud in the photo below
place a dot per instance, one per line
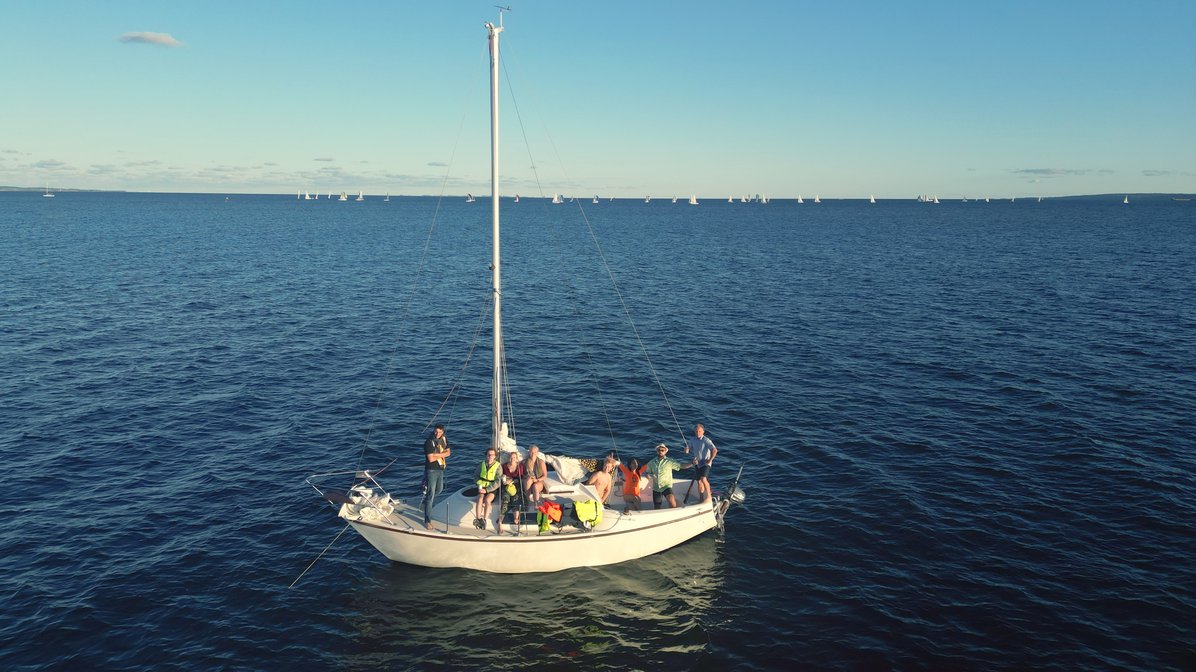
(160, 39)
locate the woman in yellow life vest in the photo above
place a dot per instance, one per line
(487, 486)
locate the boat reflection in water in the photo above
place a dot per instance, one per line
(647, 613)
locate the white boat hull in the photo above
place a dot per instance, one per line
(401, 537)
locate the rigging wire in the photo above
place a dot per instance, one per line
(626, 311)
(455, 390)
(313, 562)
(571, 290)
(515, 102)
(423, 259)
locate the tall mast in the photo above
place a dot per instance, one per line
(495, 270)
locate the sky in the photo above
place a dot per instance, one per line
(614, 98)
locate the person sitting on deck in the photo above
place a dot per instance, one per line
(535, 475)
(632, 483)
(661, 468)
(511, 496)
(601, 479)
(487, 486)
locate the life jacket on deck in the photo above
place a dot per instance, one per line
(588, 513)
(548, 512)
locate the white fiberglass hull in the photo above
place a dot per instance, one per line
(401, 537)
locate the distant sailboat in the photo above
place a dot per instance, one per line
(306, 196)
(298, 194)
(1126, 200)
(647, 199)
(693, 199)
(387, 199)
(743, 199)
(935, 200)
(674, 199)
(556, 199)
(516, 198)
(872, 199)
(316, 197)
(48, 194)
(799, 199)
(344, 197)
(469, 198)
(816, 199)
(360, 196)
(595, 201)
(730, 199)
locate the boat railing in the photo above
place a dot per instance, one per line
(339, 494)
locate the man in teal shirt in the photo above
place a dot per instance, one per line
(661, 470)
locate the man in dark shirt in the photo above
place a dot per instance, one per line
(436, 450)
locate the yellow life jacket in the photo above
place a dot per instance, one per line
(487, 473)
(589, 513)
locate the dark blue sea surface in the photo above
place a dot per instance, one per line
(966, 430)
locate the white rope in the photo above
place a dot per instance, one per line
(313, 562)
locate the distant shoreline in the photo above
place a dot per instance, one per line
(1117, 195)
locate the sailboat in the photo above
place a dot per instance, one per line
(693, 199)
(307, 196)
(556, 199)
(48, 194)
(344, 197)
(456, 539)
(674, 199)
(387, 199)
(516, 198)
(469, 198)
(799, 201)
(595, 201)
(872, 199)
(647, 199)
(1126, 200)
(360, 196)
(816, 199)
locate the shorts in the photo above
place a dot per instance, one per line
(659, 495)
(701, 472)
(490, 488)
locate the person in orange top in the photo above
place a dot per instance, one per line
(632, 484)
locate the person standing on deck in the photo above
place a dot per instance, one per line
(703, 450)
(661, 469)
(436, 451)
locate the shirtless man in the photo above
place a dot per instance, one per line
(602, 479)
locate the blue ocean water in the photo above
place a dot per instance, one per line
(966, 430)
